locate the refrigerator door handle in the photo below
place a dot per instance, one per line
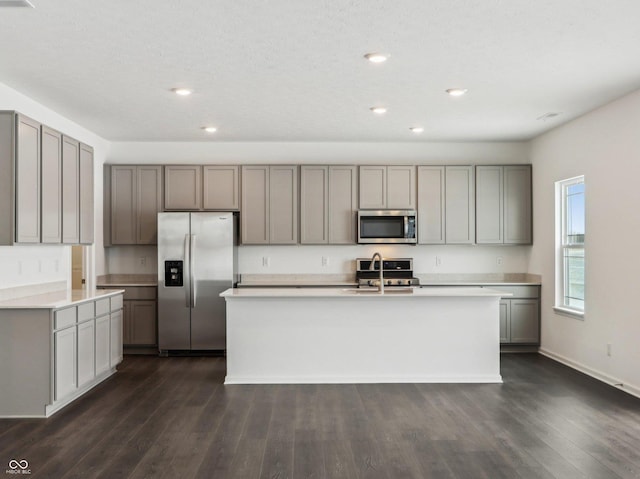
(193, 274)
(187, 255)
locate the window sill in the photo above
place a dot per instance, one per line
(569, 312)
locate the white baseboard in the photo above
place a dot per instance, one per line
(605, 378)
(496, 379)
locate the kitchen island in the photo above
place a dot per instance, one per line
(350, 335)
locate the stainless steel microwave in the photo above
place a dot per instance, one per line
(387, 226)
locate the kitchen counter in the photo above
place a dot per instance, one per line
(123, 280)
(58, 299)
(345, 335)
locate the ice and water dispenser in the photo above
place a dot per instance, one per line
(173, 273)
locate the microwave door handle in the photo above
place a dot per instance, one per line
(406, 226)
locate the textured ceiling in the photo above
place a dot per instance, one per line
(293, 70)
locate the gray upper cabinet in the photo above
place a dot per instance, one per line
(135, 198)
(70, 190)
(327, 204)
(220, 188)
(86, 195)
(27, 180)
(183, 187)
(269, 204)
(387, 187)
(503, 204)
(431, 204)
(51, 166)
(459, 205)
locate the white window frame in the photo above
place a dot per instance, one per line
(561, 274)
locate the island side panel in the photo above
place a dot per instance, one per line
(25, 362)
(358, 340)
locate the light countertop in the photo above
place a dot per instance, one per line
(444, 291)
(123, 280)
(58, 299)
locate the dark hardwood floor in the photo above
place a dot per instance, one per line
(173, 418)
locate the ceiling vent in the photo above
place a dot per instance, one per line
(16, 3)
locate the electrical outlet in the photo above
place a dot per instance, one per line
(265, 261)
(608, 349)
(142, 261)
(438, 261)
(499, 260)
(325, 261)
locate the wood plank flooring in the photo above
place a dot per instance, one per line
(173, 418)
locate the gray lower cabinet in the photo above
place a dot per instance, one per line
(327, 204)
(269, 204)
(70, 190)
(503, 204)
(139, 316)
(133, 198)
(520, 315)
(387, 187)
(446, 212)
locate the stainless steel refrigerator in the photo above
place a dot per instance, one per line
(197, 258)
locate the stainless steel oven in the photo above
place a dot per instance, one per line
(387, 226)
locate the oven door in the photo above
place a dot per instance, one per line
(386, 227)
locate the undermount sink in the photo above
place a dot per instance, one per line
(376, 292)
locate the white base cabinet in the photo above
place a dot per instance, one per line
(63, 352)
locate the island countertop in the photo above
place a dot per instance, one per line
(389, 292)
(58, 299)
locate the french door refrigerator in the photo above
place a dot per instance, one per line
(197, 258)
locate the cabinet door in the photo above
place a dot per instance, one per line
(126, 322)
(401, 187)
(255, 205)
(459, 205)
(148, 203)
(115, 356)
(65, 362)
(27, 180)
(505, 321)
(103, 348)
(489, 204)
(86, 352)
(70, 190)
(373, 187)
(143, 323)
(51, 186)
(220, 188)
(314, 204)
(343, 204)
(517, 204)
(183, 187)
(431, 204)
(525, 321)
(283, 204)
(86, 195)
(123, 204)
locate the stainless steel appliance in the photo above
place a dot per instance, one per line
(387, 226)
(395, 272)
(197, 260)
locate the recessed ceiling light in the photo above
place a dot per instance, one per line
(378, 110)
(417, 129)
(182, 91)
(376, 57)
(210, 129)
(456, 91)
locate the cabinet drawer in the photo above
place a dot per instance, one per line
(102, 307)
(519, 291)
(137, 293)
(86, 311)
(64, 317)
(116, 302)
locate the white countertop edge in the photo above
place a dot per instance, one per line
(440, 291)
(58, 299)
(475, 379)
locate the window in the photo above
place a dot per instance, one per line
(570, 231)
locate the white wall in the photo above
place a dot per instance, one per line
(24, 265)
(603, 145)
(308, 259)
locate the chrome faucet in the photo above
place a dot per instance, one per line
(372, 268)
